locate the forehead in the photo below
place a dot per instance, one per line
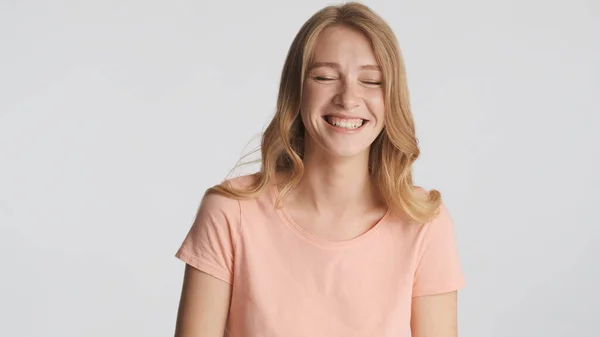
(344, 45)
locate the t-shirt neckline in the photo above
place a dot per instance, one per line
(307, 236)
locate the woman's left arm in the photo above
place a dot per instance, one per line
(434, 315)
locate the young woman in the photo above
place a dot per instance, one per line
(331, 238)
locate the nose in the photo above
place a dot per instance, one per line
(348, 96)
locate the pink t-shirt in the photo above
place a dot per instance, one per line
(287, 283)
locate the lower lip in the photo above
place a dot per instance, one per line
(344, 130)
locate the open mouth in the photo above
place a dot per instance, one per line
(345, 123)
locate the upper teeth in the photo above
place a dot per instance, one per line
(346, 123)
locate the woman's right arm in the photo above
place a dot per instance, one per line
(204, 305)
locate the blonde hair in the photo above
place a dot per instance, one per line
(392, 153)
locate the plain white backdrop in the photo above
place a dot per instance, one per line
(115, 116)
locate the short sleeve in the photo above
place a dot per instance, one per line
(438, 268)
(210, 242)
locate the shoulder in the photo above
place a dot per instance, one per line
(218, 199)
(226, 206)
(227, 195)
(242, 182)
(440, 222)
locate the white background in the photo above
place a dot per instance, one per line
(115, 116)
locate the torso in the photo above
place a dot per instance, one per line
(292, 281)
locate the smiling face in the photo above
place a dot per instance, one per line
(342, 104)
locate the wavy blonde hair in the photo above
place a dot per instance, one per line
(392, 153)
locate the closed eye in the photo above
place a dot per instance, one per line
(319, 78)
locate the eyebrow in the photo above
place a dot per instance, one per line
(337, 66)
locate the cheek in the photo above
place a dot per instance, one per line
(307, 97)
(315, 96)
(307, 104)
(376, 105)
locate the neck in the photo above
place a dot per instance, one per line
(336, 185)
